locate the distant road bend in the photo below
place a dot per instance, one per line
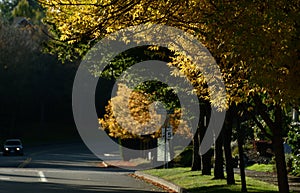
(65, 168)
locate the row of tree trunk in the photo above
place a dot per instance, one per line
(223, 147)
(204, 162)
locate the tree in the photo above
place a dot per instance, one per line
(17, 45)
(196, 159)
(141, 113)
(6, 7)
(134, 117)
(234, 45)
(256, 44)
(293, 141)
(28, 9)
(219, 160)
(228, 126)
(240, 140)
(35, 87)
(205, 114)
(23, 10)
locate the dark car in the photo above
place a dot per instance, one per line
(13, 146)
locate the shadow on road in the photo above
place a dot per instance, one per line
(29, 187)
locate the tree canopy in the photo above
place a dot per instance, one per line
(255, 43)
(131, 116)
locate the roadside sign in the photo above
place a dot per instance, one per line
(167, 132)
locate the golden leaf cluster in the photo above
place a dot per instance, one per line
(134, 116)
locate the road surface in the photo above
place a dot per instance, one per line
(65, 168)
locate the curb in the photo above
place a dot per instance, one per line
(160, 181)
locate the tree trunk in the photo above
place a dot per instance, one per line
(206, 162)
(219, 160)
(279, 152)
(241, 155)
(196, 160)
(227, 148)
(277, 141)
(206, 158)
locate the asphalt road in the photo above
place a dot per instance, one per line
(65, 168)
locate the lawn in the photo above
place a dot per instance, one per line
(193, 181)
(262, 167)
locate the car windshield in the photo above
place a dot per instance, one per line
(13, 143)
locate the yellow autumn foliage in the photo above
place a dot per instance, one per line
(252, 41)
(134, 116)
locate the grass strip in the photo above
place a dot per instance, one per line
(262, 167)
(193, 181)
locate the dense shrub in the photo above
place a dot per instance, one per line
(293, 141)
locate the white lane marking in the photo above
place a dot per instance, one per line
(4, 178)
(42, 176)
(111, 155)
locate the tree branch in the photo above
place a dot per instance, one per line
(261, 110)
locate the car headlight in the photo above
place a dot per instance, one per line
(6, 149)
(18, 149)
